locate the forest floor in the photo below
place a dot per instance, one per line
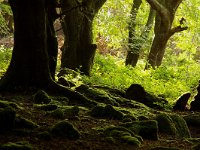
(33, 123)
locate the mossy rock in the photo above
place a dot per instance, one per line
(181, 126)
(146, 129)
(71, 112)
(23, 123)
(66, 130)
(47, 107)
(193, 120)
(4, 104)
(22, 145)
(98, 95)
(123, 135)
(164, 148)
(58, 113)
(165, 124)
(45, 136)
(107, 112)
(41, 97)
(7, 119)
(173, 125)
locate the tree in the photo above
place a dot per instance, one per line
(31, 65)
(78, 51)
(135, 43)
(163, 30)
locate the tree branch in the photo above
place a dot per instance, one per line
(177, 29)
(162, 11)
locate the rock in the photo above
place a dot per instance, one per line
(23, 123)
(58, 113)
(41, 97)
(181, 126)
(22, 145)
(123, 135)
(48, 107)
(66, 130)
(173, 125)
(7, 119)
(165, 124)
(106, 112)
(137, 92)
(45, 136)
(181, 103)
(146, 129)
(65, 82)
(193, 120)
(195, 105)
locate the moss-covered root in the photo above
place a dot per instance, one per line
(22, 145)
(66, 130)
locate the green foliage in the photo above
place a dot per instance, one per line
(5, 56)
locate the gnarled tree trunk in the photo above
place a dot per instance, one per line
(163, 30)
(79, 50)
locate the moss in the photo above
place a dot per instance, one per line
(72, 112)
(41, 97)
(146, 129)
(106, 112)
(45, 136)
(58, 113)
(22, 145)
(21, 123)
(181, 126)
(165, 124)
(173, 125)
(65, 129)
(4, 104)
(7, 118)
(46, 107)
(130, 140)
(193, 120)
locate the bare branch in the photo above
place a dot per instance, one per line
(177, 29)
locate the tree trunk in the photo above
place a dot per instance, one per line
(78, 51)
(163, 30)
(133, 54)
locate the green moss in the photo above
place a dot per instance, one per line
(165, 124)
(22, 123)
(22, 145)
(7, 118)
(71, 111)
(58, 113)
(181, 126)
(4, 104)
(41, 97)
(106, 112)
(130, 140)
(65, 129)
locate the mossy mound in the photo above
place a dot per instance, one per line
(164, 148)
(146, 129)
(41, 97)
(7, 119)
(97, 95)
(193, 120)
(46, 107)
(123, 135)
(65, 129)
(106, 112)
(173, 125)
(23, 123)
(22, 145)
(71, 111)
(58, 113)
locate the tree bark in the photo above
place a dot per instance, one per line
(79, 50)
(163, 30)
